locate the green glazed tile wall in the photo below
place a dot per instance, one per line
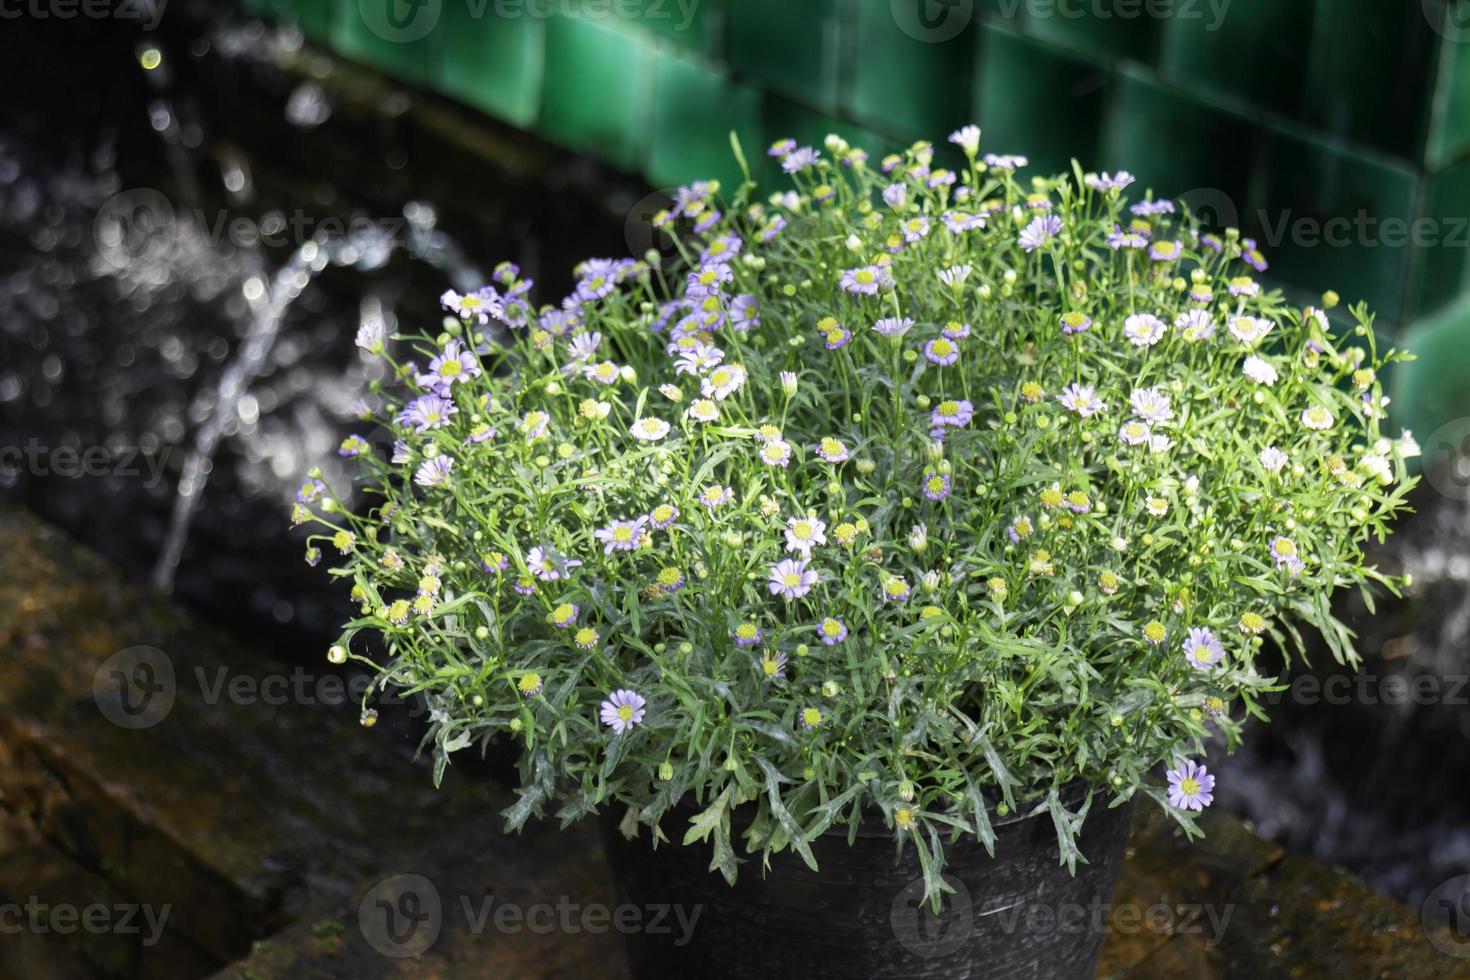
(1320, 108)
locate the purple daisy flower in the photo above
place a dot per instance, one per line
(941, 351)
(1119, 239)
(773, 666)
(837, 339)
(799, 159)
(1143, 329)
(959, 223)
(1105, 182)
(1005, 161)
(1151, 405)
(1165, 251)
(805, 533)
(744, 313)
(454, 364)
(955, 331)
(1040, 231)
(663, 516)
(791, 578)
(832, 450)
(1075, 322)
(1202, 649)
(354, 446)
(894, 589)
(434, 472)
(623, 710)
(427, 412)
(1252, 256)
(893, 326)
(550, 566)
(936, 486)
(781, 147)
(746, 635)
(621, 535)
(1191, 787)
(1150, 208)
(1135, 432)
(1081, 399)
(832, 631)
(1195, 325)
(951, 412)
(896, 195)
(865, 280)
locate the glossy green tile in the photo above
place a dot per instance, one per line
(794, 48)
(494, 63)
(599, 82)
(1442, 241)
(697, 24)
(1102, 29)
(1430, 392)
(401, 38)
(1179, 144)
(1330, 219)
(909, 84)
(1250, 49)
(1034, 99)
(1371, 72)
(1449, 133)
(696, 107)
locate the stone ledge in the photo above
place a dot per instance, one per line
(267, 826)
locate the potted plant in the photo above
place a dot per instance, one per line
(869, 553)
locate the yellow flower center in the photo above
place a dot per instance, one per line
(1189, 786)
(622, 535)
(625, 713)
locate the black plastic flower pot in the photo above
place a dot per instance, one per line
(862, 915)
